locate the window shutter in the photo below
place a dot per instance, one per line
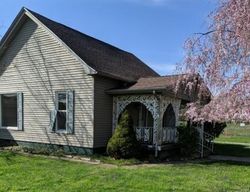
(19, 111)
(53, 114)
(70, 111)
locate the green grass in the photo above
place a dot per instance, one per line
(237, 125)
(119, 162)
(233, 133)
(229, 142)
(233, 139)
(22, 173)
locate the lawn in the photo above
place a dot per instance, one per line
(22, 173)
(234, 133)
(235, 141)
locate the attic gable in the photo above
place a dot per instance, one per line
(106, 59)
(96, 56)
(17, 24)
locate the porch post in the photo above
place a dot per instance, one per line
(140, 116)
(177, 110)
(156, 124)
(114, 118)
(160, 132)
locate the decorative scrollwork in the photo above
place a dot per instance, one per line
(166, 101)
(156, 106)
(147, 100)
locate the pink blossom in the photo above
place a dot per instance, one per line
(222, 58)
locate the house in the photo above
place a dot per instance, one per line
(60, 88)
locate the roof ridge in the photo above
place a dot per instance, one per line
(106, 59)
(175, 75)
(89, 36)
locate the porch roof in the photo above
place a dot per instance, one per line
(164, 85)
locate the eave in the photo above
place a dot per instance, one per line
(155, 90)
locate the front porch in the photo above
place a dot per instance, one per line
(155, 118)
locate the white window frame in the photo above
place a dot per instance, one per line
(57, 110)
(1, 126)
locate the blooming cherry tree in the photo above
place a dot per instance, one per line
(221, 56)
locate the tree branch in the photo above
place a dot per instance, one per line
(212, 31)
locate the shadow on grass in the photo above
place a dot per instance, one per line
(232, 150)
(216, 162)
(205, 162)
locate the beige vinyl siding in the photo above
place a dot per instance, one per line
(103, 109)
(36, 64)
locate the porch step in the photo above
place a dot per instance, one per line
(168, 146)
(164, 147)
(165, 151)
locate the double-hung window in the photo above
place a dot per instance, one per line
(11, 109)
(61, 106)
(62, 117)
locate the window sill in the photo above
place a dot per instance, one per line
(61, 132)
(10, 128)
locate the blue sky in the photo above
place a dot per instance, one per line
(154, 30)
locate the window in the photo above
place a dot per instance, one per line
(9, 110)
(61, 118)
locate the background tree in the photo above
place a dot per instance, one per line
(222, 58)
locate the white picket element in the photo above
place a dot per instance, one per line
(169, 135)
(147, 133)
(138, 133)
(144, 134)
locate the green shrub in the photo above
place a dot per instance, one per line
(123, 143)
(188, 140)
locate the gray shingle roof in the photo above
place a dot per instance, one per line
(102, 57)
(165, 82)
(174, 85)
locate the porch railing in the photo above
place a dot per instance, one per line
(170, 135)
(144, 134)
(206, 142)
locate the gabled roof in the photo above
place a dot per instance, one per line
(104, 58)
